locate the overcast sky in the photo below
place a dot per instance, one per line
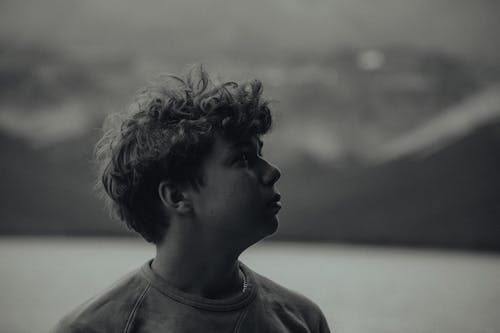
(211, 28)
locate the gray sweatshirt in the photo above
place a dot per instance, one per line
(143, 302)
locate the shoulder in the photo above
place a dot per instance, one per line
(281, 298)
(271, 290)
(110, 310)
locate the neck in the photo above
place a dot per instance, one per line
(199, 267)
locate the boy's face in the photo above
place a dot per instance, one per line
(238, 200)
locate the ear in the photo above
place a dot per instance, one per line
(174, 198)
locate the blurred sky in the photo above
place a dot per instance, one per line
(214, 28)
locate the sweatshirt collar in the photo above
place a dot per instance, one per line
(226, 304)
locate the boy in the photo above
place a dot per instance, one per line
(184, 168)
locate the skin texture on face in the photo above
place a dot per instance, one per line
(238, 185)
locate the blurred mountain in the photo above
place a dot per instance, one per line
(48, 96)
(349, 104)
(450, 198)
(451, 124)
(49, 190)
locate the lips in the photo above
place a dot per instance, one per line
(275, 199)
(275, 204)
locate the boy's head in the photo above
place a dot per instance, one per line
(170, 134)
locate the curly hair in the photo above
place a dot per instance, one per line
(165, 135)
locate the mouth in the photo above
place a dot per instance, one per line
(274, 204)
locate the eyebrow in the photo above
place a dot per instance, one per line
(248, 143)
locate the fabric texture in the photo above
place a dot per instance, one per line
(143, 302)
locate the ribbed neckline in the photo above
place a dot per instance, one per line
(226, 304)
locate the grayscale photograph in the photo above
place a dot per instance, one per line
(250, 166)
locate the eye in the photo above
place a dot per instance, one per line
(243, 158)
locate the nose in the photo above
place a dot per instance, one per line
(270, 173)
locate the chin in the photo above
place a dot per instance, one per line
(267, 228)
(272, 225)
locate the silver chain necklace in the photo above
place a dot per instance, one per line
(245, 282)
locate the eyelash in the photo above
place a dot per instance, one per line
(246, 157)
(243, 157)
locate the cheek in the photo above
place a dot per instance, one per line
(233, 196)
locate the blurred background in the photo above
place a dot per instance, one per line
(387, 133)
